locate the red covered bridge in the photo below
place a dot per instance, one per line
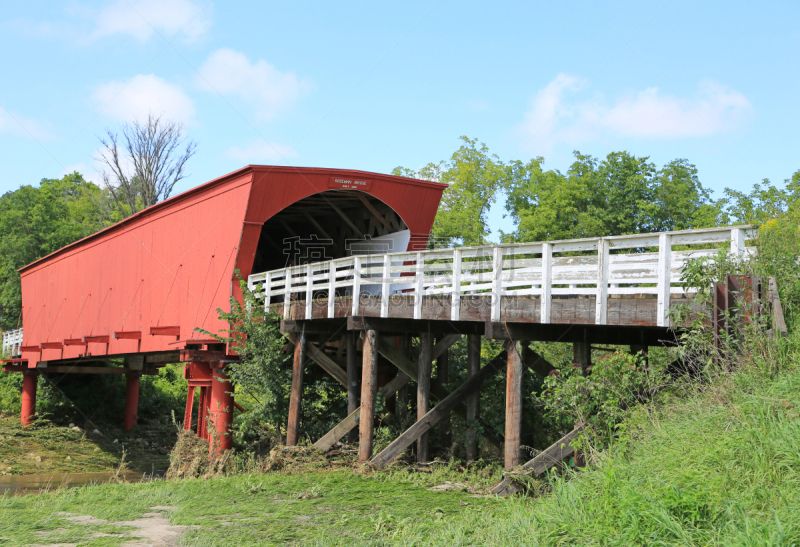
(138, 290)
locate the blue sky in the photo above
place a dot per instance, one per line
(375, 85)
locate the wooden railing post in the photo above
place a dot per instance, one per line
(664, 279)
(601, 304)
(497, 282)
(737, 242)
(267, 290)
(419, 286)
(287, 295)
(455, 295)
(547, 282)
(356, 284)
(309, 290)
(331, 289)
(386, 285)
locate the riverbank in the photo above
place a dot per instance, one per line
(46, 447)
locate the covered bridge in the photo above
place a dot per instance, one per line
(138, 290)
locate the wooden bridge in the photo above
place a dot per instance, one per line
(613, 290)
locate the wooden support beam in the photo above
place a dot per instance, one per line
(399, 325)
(582, 354)
(295, 397)
(369, 391)
(319, 357)
(553, 455)
(537, 363)
(423, 390)
(70, 369)
(443, 375)
(431, 418)
(352, 380)
(325, 326)
(778, 321)
(437, 389)
(515, 352)
(377, 216)
(349, 424)
(346, 219)
(401, 402)
(598, 334)
(474, 398)
(319, 228)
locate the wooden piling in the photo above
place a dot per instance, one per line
(424, 389)
(369, 392)
(443, 375)
(513, 403)
(352, 381)
(473, 399)
(296, 395)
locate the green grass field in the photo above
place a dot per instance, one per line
(335, 508)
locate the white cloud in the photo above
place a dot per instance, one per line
(266, 88)
(261, 151)
(144, 94)
(142, 18)
(14, 124)
(553, 117)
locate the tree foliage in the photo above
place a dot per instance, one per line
(474, 177)
(36, 221)
(622, 194)
(261, 374)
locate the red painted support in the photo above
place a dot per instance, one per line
(29, 381)
(131, 399)
(221, 414)
(205, 401)
(187, 414)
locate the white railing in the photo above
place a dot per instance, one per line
(12, 340)
(542, 269)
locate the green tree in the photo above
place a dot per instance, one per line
(679, 201)
(622, 194)
(36, 221)
(474, 177)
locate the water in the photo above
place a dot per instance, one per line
(28, 484)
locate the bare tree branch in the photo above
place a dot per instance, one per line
(144, 168)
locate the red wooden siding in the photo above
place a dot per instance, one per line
(172, 265)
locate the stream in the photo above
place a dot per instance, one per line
(29, 484)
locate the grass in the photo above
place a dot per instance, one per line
(720, 467)
(335, 508)
(46, 447)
